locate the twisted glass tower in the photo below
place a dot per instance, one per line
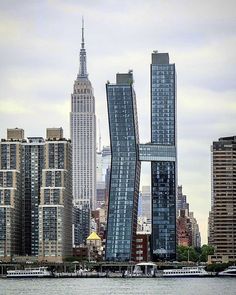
(125, 169)
(126, 156)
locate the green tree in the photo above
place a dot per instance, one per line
(205, 251)
(185, 253)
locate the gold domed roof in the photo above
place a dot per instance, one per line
(93, 236)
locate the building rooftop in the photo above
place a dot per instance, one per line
(93, 236)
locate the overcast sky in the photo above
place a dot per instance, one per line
(39, 52)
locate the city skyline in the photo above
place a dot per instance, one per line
(41, 57)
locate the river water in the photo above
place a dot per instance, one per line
(78, 286)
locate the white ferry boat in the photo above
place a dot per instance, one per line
(40, 272)
(230, 271)
(197, 271)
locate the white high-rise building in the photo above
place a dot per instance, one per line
(83, 137)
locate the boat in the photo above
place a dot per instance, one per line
(197, 271)
(40, 272)
(230, 271)
(88, 274)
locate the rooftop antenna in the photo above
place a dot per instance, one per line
(82, 32)
(100, 137)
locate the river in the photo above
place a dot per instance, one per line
(78, 286)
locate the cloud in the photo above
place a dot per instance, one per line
(9, 107)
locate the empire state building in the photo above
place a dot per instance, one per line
(83, 136)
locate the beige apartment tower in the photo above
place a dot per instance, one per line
(15, 134)
(222, 217)
(54, 133)
(10, 197)
(55, 209)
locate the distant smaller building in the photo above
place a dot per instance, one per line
(54, 133)
(81, 252)
(142, 247)
(94, 244)
(144, 225)
(81, 220)
(196, 236)
(15, 134)
(181, 202)
(184, 229)
(146, 201)
(187, 228)
(100, 219)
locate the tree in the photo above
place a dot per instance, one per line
(185, 253)
(205, 251)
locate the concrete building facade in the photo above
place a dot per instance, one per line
(55, 209)
(10, 194)
(222, 217)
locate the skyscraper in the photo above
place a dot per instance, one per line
(125, 169)
(10, 194)
(83, 136)
(163, 134)
(222, 217)
(35, 196)
(55, 209)
(127, 154)
(31, 177)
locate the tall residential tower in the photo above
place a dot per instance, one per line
(83, 137)
(163, 134)
(223, 209)
(10, 194)
(55, 207)
(127, 154)
(125, 169)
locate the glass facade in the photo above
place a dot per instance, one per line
(153, 152)
(163, 134)
(125, 169)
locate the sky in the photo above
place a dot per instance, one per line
(39, 61)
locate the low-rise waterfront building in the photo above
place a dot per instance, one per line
(142, 252)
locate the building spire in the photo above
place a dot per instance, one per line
(82, 44)
(83, 66)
